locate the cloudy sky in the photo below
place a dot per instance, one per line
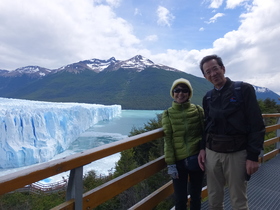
(177, 33)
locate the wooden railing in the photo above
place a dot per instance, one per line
(75, 197)
(275, 140)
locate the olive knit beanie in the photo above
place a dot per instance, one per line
(181, 81)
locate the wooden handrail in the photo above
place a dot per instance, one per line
(271, 141)
(272, 128)
(154, 198)
(36, 173)
(271, 115)
(270, 155)
(114, 187)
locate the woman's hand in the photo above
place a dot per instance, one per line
(172, 171)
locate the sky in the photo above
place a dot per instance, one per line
(176, 33)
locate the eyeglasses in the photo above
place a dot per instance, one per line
(215, 69)
(178, 90)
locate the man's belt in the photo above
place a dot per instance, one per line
(226, 143)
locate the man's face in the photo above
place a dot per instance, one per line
(214, 73)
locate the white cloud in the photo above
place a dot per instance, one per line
(183, 60)
(231, 4)
(137, 12)
(152, 38)
(215, 3)
(201, 29)
(164, 16)
(114, 3)
(214, 18)
(46, 33)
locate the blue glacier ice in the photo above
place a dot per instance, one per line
(34, 132)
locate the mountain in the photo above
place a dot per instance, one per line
(31, 71)
(95, 65)
(264, 93)
(136, 83)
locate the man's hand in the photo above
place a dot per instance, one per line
(201, 159)
(251, 167)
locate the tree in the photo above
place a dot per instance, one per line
(269, 106)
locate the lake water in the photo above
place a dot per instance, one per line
(103, 133)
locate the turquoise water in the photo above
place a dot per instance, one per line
(113, 130)
(126, 121)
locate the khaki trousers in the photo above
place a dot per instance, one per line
(226, 169)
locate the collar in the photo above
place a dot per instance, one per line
(228, 82)
(184, 105)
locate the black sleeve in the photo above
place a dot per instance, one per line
(205, 108)
(256, 127)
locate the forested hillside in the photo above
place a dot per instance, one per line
(148, 89)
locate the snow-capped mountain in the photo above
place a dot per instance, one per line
(32, 71)
(95, 65)
(137, 63)
(2, 72)
(263, 93)
(261, 89)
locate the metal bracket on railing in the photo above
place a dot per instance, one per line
(75, 187)
(278, 134)
(261, 157)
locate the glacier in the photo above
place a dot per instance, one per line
(35, 131)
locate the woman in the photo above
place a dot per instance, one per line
(183, 127)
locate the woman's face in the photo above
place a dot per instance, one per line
(181, 94)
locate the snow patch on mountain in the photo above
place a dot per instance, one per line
(264, 93)
(261, 89)
(100, 65)
(138, 63)
(32, 71)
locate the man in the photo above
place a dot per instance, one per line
(234, 135)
